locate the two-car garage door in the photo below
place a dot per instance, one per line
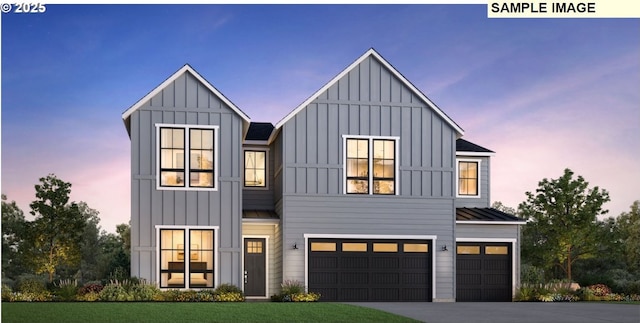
(370, 270)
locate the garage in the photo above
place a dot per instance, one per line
(484, 272)
(370, 270)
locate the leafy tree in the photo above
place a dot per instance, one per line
(562, 226)
(56, 233)
(503, 208)
(629, 226)
(13, 229)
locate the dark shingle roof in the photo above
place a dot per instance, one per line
(259, 131)
(484, 214)
(259, 214)
(463, 145)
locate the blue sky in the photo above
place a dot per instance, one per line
(545, 94)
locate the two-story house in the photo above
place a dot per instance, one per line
(364, 192)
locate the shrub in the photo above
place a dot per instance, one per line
(294, 291)
(32, 284)
(143, 291)
(290, 287)
(228, 293)
(66, 290)
(599, 290)
(305, 297)
(89, 297)
(115, 292)
(530, 274)
(90, 287)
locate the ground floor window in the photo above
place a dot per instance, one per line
(186, 257)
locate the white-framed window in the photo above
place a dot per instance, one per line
(186, 157)
(186, 256)
(255, 168)
(370, 165)
(468, 175)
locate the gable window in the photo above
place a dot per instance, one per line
(186, 257)
(468, 178)
(179, 146)
(370, 164)
(255, 168)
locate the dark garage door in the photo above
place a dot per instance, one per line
(370, 270)
(483, 272)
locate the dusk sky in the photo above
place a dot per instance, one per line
(544, 94)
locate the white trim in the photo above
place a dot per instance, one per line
(474, 154)
(479, 182)
(256, 142)
(372, 52)
(266, 168)
(175, 76)
(187, 228)
(187, 146)
(491, 222)
(266, 265)
(513, 256)
(433, 239)
(370, 139)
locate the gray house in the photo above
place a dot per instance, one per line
(364, 192)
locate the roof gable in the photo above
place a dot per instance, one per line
(372, 53)
(185, 69)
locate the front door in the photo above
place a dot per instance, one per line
(254, 266)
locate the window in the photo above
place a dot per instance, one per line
(174, 251)
(370, 165)
(255, 168)
(468, 178)
(179, 146)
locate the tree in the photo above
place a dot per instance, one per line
(13, 229)
(629, 226)
(503, 208)
(56, 233)
(562, 226)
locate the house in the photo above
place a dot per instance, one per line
(364, 192)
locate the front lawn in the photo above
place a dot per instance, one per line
(51, 312)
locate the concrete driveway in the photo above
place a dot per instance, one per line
(513, 312)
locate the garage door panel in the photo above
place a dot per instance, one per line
(380, 270)
(483, 271)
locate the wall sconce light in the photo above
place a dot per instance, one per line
(295, 246)
(444, 248)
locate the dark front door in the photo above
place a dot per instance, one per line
(254, 267)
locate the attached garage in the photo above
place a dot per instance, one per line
(483, 272)
(370, 269)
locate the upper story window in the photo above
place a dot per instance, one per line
(180, 146)
(370, 164)
(255, 168)
(468, 178)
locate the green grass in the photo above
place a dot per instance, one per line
(192, 312)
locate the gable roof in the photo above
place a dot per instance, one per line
(372, 53)
(469, 147)
(485, 216)
(259, 131)
(184, 69)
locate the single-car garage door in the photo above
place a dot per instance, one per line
(483, 272)
(370, 270)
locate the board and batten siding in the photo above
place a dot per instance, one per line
(369, 101)
(186, 101)
(485, 198)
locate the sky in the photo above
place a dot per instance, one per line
(544, 94)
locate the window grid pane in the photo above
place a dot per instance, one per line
(201, 158)
(255, 165)
(172, 157)
(468, 178)
(357, 166)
